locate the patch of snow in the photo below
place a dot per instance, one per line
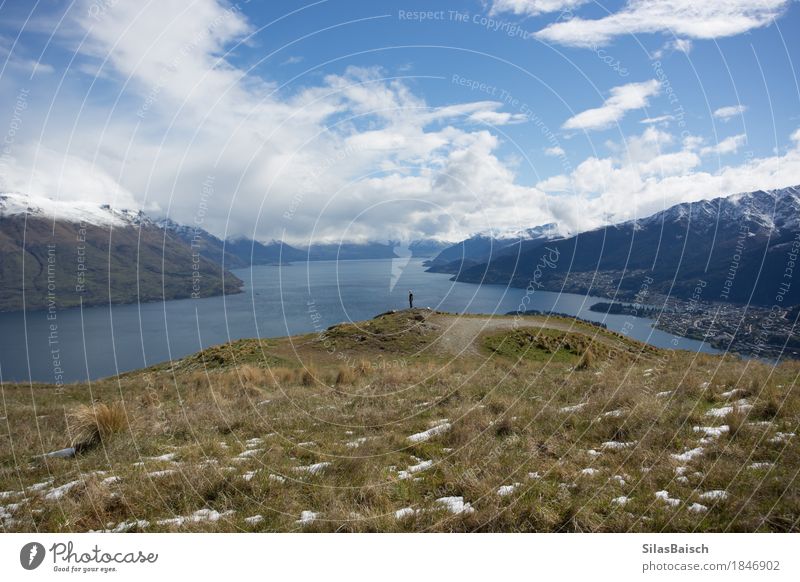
(620, 481)
(249, 475)
(712, 431)
(664, 394)
(75, 211)
(405, 512)
(741, 405)
(781, 437)
(313, 469)
(715, 495)
(589, 471)
(253, 442)
(617, 445)
(574, 408)
(166, 457)
(356, 443)
(111, 480)
(59, 492)
(534, 475)
(730, 393)
(198, 516)
(243, 456)
(455, 505)
(697, 508)
(664, 496)
(507, 489)
(431, 432)
(277, 478)
(307, 517)
(621, 500)
(254, 519)
(164, 473)
(688, 455)
(593, 453)
(761, 465)
(307, 444)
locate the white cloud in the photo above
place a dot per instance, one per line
(796, 136)
(643, 180)
(658, 120)
(726, 113)
(729, 145)
(534, 7)
(554, 151)
(622, 99)
(686, 18)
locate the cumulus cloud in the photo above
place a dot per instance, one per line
(554, 151)
(729, 145)
(622, 99)
(534, 7)
(644, 178)
(686, 18)
(726, 113)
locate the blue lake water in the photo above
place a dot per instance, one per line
(278, 300)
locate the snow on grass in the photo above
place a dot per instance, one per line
(243, 456)
(124, 526)
(442, 426)
(593, 453)
(688, 455)
(111, 480)
(276, 478)
(354, 444)
(712, 431)
(164, 473)
(731, 393)
(741, 405)
(421, 466)
(715, 495)
(534, 475)
(617, 445)
(621, 500)
(664, 496)
(307, 444)
(664, 394)
(166, 457)
(253, 442)
(198, 516)
(781, 437)
(589, 471)
(8, 494)
(41, 486)
(59, 492)
(455, 505)
(307, 517)
(249, 475)
(313, 469)
(507, 489)
(619, 479)
(574, 408)
(405, 512)
(254, 519)
(697, 508)
(762, 465)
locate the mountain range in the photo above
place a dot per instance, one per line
(740, 248)
(71, 253)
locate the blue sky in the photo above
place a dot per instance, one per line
(368, 120)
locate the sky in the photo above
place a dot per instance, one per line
(344, 120)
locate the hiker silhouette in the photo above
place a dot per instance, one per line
(410, 300)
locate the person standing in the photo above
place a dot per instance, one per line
(410, 299)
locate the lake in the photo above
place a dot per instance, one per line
(97, 342)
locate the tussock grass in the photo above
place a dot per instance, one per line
(93, 424)
(314, 434)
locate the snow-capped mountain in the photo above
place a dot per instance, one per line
(737, 248)
(72, 211)
(55, 254)
(484, 246)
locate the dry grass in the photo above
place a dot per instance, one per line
(508, 422)
(91, 425)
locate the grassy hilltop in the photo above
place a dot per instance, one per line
(413, 421)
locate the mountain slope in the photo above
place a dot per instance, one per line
(738, 248)
(96, 255)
